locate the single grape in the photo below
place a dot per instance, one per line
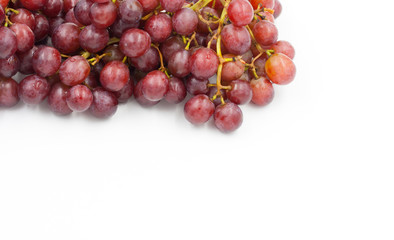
(66, 38)
(53, 8)
(33, 89)
(24, 36)
(41, 29)
(179, 64)
(159, 27)
(197, 86)
(284, 47)
(135, 42)
(185, 21)
(262, 3)
(8, 43)
(103, 15)
(114, 53)
(33, 5)
(57, 99)
(104, 103)
(149, 5)
(172, 5)
(24, 17)
(176, 91)
(263, 91)
(126, 92)
(92, 80)
(82, 12)
(69, 4)
(46, 61)
(114, 76)
(141, 99)
(70, 18)
(130, 11)
(155, 85)
(204, 63)
(240, 93)
(93, 39)
(9, 67)
(79, 98)
(228, 117)
(277, 9)
(8, 92)
(208, 14)
(280, 69)
(26, 61)
(148, 62)
(236, 39)
(265, 33)
(170, 46)
(74, 71)
(199, 109)
(240, 12)
(232, 70)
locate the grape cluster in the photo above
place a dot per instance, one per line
(91, 55)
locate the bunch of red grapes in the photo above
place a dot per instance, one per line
(91, 55)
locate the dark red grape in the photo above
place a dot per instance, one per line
(8, 43)
(82, 12)
(79, 98)
(263, 91)
(66, 38)
(179, 64)
(185, 21)
(33, 5)
(207, 14)
(24, 36)
(92, 80)
(103, 15)
(236, 39)
(93, 39)
(70, 18)
(57, 99)
(228, 117)
(240, 93)
(53, 8)
(197, 86)
(126, 92)
(240, 12)
(69, 4)
(24, 17)
(159, 27)
(104, 103)
(54, 23)
(141, 99)
(41, 29)
(172, 5)
(114, 76)
(8, 92)
(74, 71)
(130, 11)
(155, 85)
(149, 61)
(204, 63)
(46, 61)
(280, 69)
(199, 109)
(232, 70)
(176, 91)
(149, 5)
(114, 53)
(265, 33)
(26, 61)
(170, 46)
(2, 15)
(119, 27)
(33, 89)
(9, 67)
(135, 42)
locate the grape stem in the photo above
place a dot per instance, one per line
(193, 37)
(162, 68)
(93, 61)
(198, 5)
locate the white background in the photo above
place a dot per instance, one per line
(315, 164)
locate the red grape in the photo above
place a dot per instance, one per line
(265, 33)
(82, 12)
(149, 61)
(33, 5)
(8, 43)
(236, 39)
(66, 38)
(46, 61)
(185, 21)
(41, 29)
(25, 17)
(141, 99)
(126, 92)
(135, 42)
(52, 8)
(240, 12)
(240, 93)
(33, 89)
(79, 98)
(114, 76)
(199, 109)
(178, 64)
(104, 103)
(280, 69)
(159, 27)
(24, 37)
(197, 86)
(130, 11)
(277, 9)
(57, 99)
(176, 91)
(204, 63)
(8, 92)
(93, 39)
(9, 67)
(74, 71)
(155, 85)
(284, 47)
(103, 15)
(228, 117)
(263, 91)
(172, 5)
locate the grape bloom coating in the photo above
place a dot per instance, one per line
(92, 55)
